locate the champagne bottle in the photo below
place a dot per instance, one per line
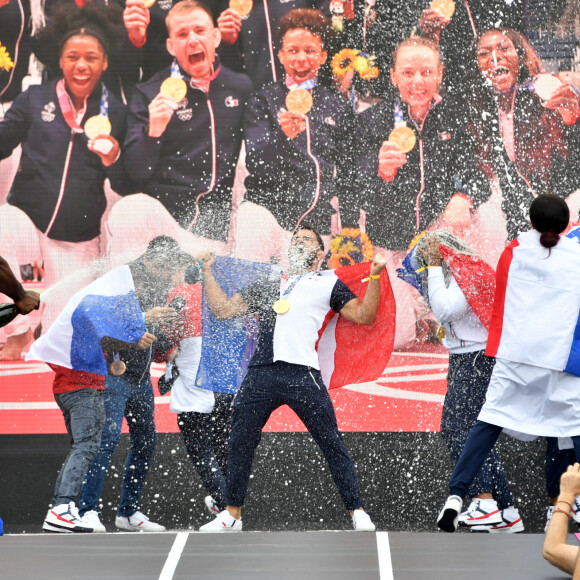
(8, 312)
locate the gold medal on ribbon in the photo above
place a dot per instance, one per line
(117, 368)
(174, 87)
(445, 7)
(242, 7)
(281, 306)
(440, 334)
(97, 125)
(299, 101)
(404, 138)
(545, 85)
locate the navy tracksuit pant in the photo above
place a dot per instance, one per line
(264, 389)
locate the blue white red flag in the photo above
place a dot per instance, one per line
(474, 276)
(536, 309)
(350, 353)
(228, 345)
(108, 307)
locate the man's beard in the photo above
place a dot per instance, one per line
(300, 258)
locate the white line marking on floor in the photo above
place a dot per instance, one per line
(384, 552)
(174, 556)
(372, 389)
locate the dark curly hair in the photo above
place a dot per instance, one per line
(314, 21)
(105, 23)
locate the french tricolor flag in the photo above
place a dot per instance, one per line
(108, 307)
(535, 317)
(350, 353)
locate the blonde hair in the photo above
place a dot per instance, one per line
(413, 41)
(185, 7)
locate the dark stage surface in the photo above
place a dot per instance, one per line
(275, 556)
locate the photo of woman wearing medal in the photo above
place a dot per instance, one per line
(69, 129)
(524, 125)
(414, 167)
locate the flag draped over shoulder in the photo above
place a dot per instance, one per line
(351, 353)
(228, 345)
(476, 279)
(474, 276)
(536, 310)
(108, 307)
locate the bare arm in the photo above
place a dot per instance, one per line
(556, 551)
(109, 344)
(221, 306)
(26, 301)
(365, 311)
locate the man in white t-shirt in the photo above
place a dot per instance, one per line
(285, 369)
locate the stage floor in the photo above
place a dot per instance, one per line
(276, 556)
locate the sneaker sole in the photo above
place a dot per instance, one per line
(57, 528)
(448, 520)
(483, 521)
(137, 529)
(221, 530)
(513, 529)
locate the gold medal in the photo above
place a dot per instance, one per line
(299, 101)
(545, 85)
(149, 3)
(97, 125)
(242, 7)
(174, 87)
(117, 368)
(281, 306)
(404, 138)
(445, 7)
(440, 334)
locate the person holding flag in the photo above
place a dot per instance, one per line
(532, 336)
(106, 314)
(458, 285)
(285, 368)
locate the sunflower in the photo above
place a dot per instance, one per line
(5, 60)
(343, 62)
(371, 73)
(351, 246)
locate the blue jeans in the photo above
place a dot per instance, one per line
(264, 389)
(84, 417)
(467, 382)
(136, 404)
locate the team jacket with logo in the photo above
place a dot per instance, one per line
(195, 158)
(441, 164)
(59, 181)
(286, 174)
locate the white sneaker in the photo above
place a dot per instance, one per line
(64, 518)
(211, 505)
(481, 512)
(511, 523)
(549, 516)
(225, 522)
(91, 519)
(575, 512)
(361, 521)
(449, 515)
(137, 522)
